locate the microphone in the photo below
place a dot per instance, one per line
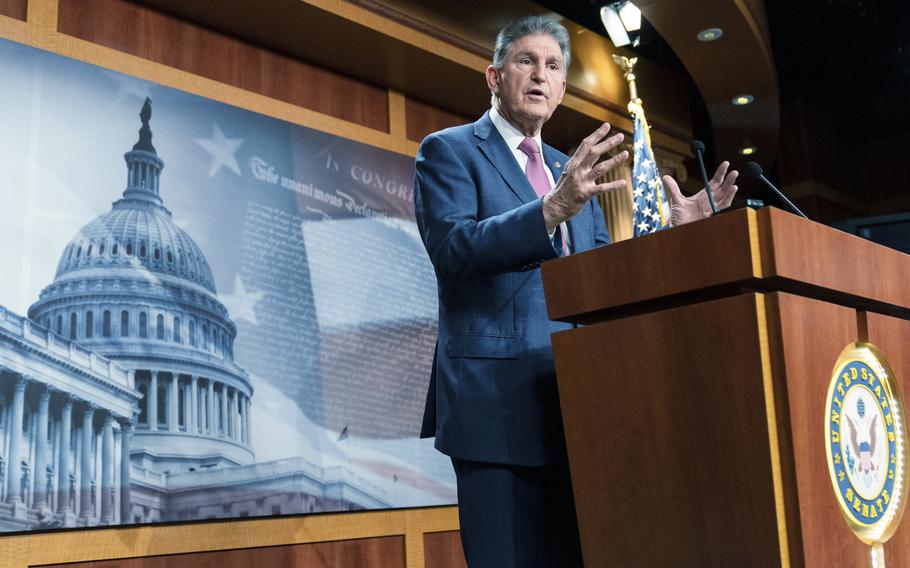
(698, 148)
(756, 172)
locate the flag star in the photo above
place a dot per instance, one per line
(643, 226)
(639, 145)
(638, 192)
(646, 212)
(645, 163)
(649, 197)
(642, 178)
(221, 150)
(634, 206)
(654, 183)
(241, 304)
(655, 215)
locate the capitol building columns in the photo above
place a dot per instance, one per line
(172, 403)
(193, 404)
(232, 414)
(14, 463)
(126, 429)
(246, 415)
(40, 477)
(152, 410)
(86, 479)
(59, 468)
(107, 470)
(210, 428)
(65, 473)
(223, 417)
(193, 418)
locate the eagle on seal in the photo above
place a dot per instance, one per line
(865, 450)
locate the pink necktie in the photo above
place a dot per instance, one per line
(538, 176)
(534, 170)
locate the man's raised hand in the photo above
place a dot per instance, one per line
(578, 182)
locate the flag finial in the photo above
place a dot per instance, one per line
(628, 67)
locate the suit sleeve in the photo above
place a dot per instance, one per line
(460, 244)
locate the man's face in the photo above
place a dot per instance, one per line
(530, 84)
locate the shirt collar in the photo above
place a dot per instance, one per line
(509, 133)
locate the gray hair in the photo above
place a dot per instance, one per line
(531, 25)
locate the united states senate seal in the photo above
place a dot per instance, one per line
(866, 442)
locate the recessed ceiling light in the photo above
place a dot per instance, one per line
(710, 34)
(748, 150)
(741, 100)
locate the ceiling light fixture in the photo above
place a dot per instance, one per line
(742, 100)
(620, 18)
(748, 150)
(710, 34)
(630, 16)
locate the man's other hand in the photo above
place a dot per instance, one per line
(686, 209)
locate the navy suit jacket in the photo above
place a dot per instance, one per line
(492, 394)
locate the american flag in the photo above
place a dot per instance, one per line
(650, 209)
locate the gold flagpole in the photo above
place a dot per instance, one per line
(636, 108)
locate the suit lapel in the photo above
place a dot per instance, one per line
(494, 148)
(553, 160)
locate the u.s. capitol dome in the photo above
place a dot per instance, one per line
(133, 286)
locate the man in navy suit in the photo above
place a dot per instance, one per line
(492, 203)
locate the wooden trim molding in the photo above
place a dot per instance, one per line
(14, 29)
(25, 550)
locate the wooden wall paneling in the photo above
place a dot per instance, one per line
(892, 336)
(162, 38)
(443, 550)
(379, 42)
(13, 9)
(695, 413)
(811, 334)
(423, 119)
(122, 62)
(114, 544)
(40, 31)
(386, 552)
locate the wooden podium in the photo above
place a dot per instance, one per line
(693, 400)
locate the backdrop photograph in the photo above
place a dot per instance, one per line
(204, 312)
